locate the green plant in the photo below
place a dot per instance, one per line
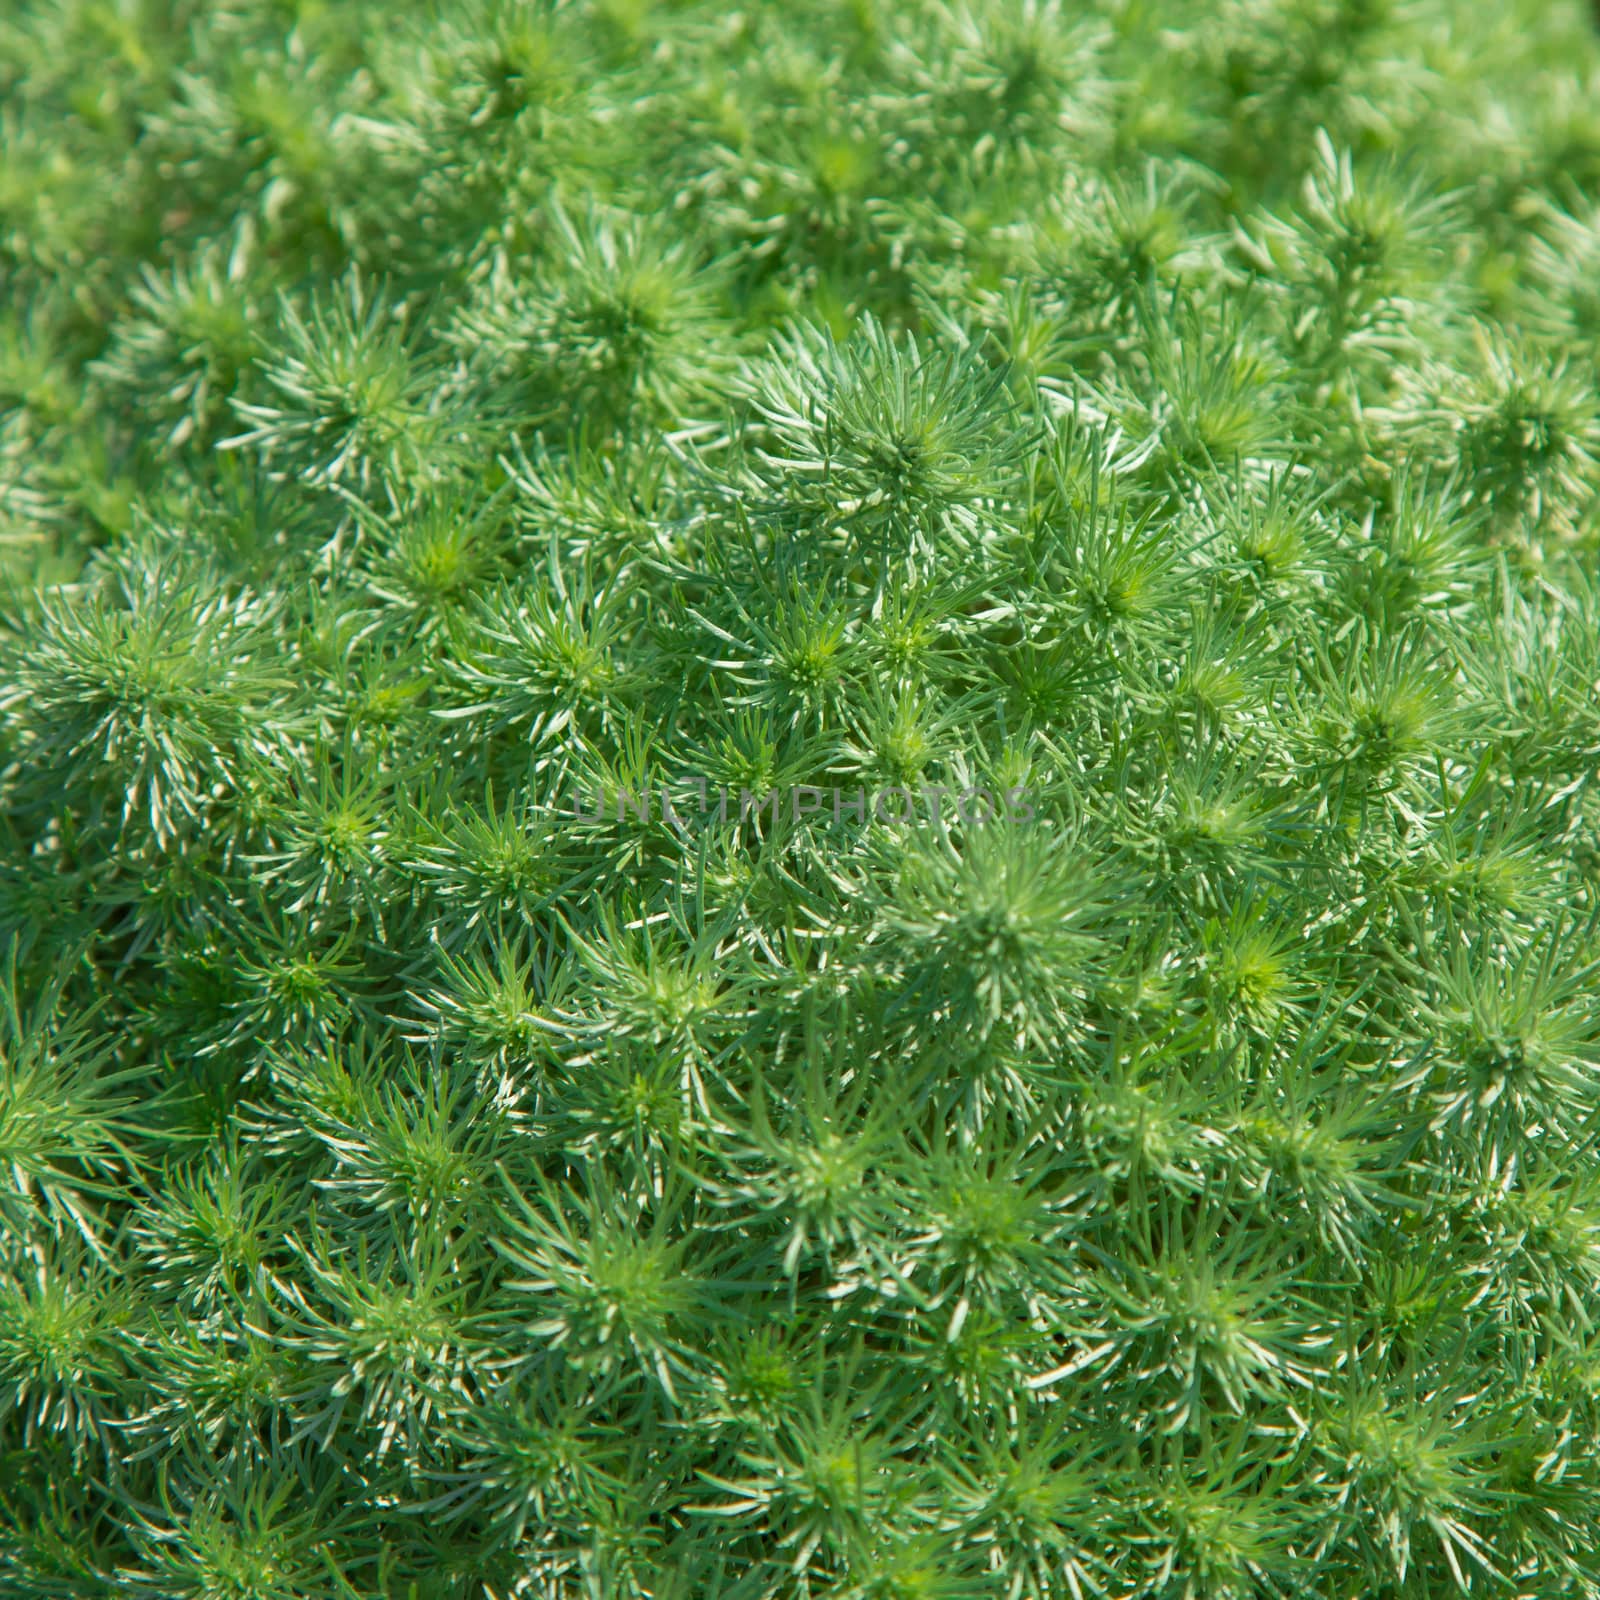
(799, 802)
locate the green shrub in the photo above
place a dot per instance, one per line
(799, 801)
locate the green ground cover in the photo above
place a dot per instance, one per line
(796, 801)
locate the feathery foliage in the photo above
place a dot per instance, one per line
(799, 803)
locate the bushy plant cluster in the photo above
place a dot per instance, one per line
(798, 800)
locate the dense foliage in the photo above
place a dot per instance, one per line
(460, 1138)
